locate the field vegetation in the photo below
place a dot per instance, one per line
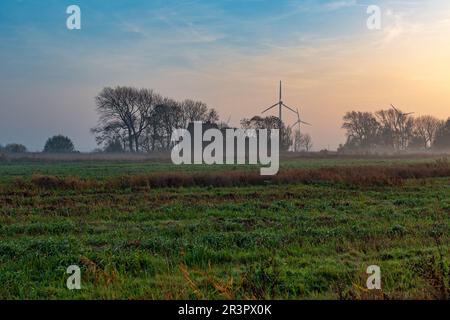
(149, 230)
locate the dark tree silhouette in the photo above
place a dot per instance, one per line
(362, 129)
(397, 128)
(390, 129)
(442, 141)
(15, 148)
(425, 130)
(144, 120)
(114, 146)
(126, 108)
(59, 144)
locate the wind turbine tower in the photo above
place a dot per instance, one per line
(280, 104)
(299, 122)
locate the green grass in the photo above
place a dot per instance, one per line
(293, 241)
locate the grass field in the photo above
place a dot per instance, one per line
(10, 170)
(295, 241)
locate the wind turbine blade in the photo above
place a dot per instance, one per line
(289, 108)
(294, 124)
(407, 114)
(309, 124)
(275, 105)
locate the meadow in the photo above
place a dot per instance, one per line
(149, 230)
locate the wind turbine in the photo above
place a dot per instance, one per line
(299, 121)
(401, 117)
(280, 105)
(400, 113)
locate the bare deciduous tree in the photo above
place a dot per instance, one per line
(442, 141)
(306, 142)
(362, 128)
(297, 146)
(397, 128)
(143, 118)
(302, 142)
(105, 133)
(197, 111)
(426, 128)
(390, 128)
(118, 106)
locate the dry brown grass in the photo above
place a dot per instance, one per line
(97, 274)
(360, 176)
(52, 182)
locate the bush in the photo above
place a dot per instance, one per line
(114, 146)
(15, 148)
(66, 183)
(59, 144)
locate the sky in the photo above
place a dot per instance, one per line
(230, 54)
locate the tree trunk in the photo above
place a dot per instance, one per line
(130, 140)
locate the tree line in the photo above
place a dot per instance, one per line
(394, 130)
(55, 144)
(141, 120)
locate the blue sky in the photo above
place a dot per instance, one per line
(161, 34)
(228, 53)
